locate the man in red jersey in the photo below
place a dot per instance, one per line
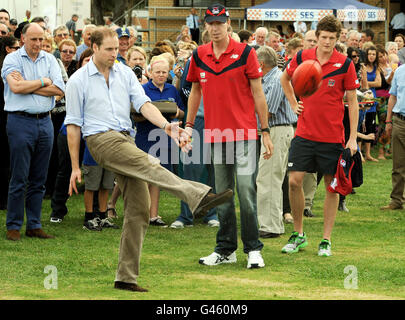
(228, 75)
(319, 138)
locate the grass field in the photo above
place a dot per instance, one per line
(366, 243)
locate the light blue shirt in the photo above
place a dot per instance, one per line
(45, 66)
(398, 90)
(279, 107)
(80, 50)
(190, 21)
(96, 107)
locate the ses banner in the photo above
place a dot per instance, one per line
(347, 14)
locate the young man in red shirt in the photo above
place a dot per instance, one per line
(319, 138)
(228, 75)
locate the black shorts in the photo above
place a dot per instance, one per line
(312, 156)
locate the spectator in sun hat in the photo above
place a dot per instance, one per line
(123, 38)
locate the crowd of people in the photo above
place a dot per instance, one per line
(108, 110)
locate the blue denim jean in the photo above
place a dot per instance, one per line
(30, 141)
(237, 159)
(199, 170)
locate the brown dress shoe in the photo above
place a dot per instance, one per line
(212, 200)
(391, 207)
(38, 233)
(13, 235)
(129, 286)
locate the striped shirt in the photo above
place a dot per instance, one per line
(279, 107)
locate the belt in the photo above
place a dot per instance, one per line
(400, 116)
(281, 125)
(31, 115)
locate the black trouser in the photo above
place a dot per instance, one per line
(195, 35)
(60, 192)
(286, 198)
(57, 120)
(4, 161)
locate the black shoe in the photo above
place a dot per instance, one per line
(342, 206)
(129, 286)
(212, 200)
(266, 235)
(106, 223)
(353, 191)
(158, 222)
(308, 213)
(92, 225)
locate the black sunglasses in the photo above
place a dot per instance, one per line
(4, 32)
(68, 51)
(355, 56)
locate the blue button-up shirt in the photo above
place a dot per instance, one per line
(277, 102)
(398, 90)
(96, 107)
(45, 66)
(192, 21)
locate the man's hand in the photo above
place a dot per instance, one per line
(76, 175)
(268, 146)
(298, 108)
(352, 145)
(179, 135)
(186, 140)
(17, 76)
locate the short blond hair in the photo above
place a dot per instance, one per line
(67, 42)
(159, 59)
(137, 49)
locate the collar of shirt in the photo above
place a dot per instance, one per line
(24, 53)
(272, 73)
(151, 86)
(229, 49)
(93, 69)
(333, 59)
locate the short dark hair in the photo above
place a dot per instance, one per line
(4, 10)
(38, 19)
(98, 35)
(329, 23)
(244, 35)
(369, 33)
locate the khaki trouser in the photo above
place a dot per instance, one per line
(270, 181)
(117, 152)
(309, 185)
(398, 162)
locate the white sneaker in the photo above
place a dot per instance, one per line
(215, 258)
(213, 223)
(177, 225)
(255, 260)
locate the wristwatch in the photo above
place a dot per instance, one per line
(266, 130)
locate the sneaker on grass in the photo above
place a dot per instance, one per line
(92, 225)
(158, 222)
(107, 223)
(215, 258)
(295, 243)
(325, 248)
(213, 223)
(255, 260)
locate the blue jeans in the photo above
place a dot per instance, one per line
(237, 159)
(200, 171)
(30, 141)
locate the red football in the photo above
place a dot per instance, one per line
(307, 78)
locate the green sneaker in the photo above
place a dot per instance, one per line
(295, 243)
(325, 248)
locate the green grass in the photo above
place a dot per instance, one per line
(367, 238)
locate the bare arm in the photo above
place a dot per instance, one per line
(19, 85)
(289, 93)
(391, 103)
(354, 119)
(262, 112)
(49, 91)
(73, 137)
(193, 101)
